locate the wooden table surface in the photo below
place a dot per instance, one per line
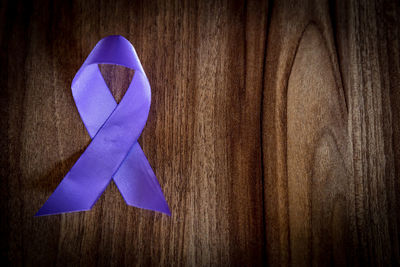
(274, 132)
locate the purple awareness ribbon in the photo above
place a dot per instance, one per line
(114, 152)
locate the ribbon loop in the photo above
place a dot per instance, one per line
(114, 128)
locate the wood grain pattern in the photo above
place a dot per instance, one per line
(274, 132)
(329, 134)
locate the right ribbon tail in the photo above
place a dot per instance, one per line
(138, 184)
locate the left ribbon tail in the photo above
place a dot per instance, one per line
(70, 196)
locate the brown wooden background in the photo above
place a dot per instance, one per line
(274, 132)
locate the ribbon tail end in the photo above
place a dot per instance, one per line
(156, 203)
(168, 212)
(161, 206)
(43, 211)
(48, 209)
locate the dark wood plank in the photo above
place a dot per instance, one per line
(368, 35)
(204, 61)
(330, 133)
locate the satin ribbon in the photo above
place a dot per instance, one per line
(114, 152)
